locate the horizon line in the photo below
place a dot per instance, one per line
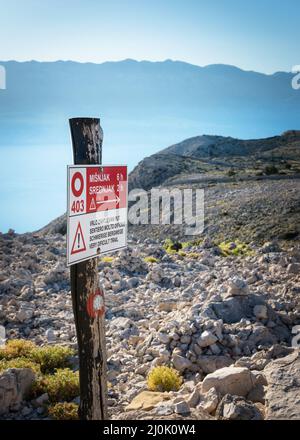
(142, 61)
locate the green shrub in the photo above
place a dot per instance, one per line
(186, 244)
(63, 411)
(173, 247)
(21, 362)
(236, 248)
(62, 385)
(107, 259)
(151, 260)
(16, 348)
(51, 357)
(164, 379)
(270, 169)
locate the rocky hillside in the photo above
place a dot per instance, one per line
(223, 322)
(219, 156)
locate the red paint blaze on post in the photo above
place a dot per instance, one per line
(95, 304)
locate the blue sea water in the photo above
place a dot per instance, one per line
(33, 177)
(32, 185)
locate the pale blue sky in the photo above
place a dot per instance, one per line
(262, 35)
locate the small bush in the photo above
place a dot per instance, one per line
(172, 247)
(62, 385)
(63, 411)
(186, 244)
(107, 259)
(151, 260)
(164, 379)
(16, 348)
(51, 357)
(231, 173)
(236, 248)
(19, 363)
(193, 255)
(271, 169)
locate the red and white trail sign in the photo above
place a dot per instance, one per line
(96, 211)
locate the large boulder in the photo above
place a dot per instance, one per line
(234, 308)
(283, 392)
(230, 380)
(15, 383)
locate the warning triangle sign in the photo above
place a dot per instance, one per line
(93, 205)
(78, 243)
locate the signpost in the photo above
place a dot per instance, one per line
(97, 211)
(97, 219)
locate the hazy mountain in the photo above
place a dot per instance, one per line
(143, 107)
(143, 104)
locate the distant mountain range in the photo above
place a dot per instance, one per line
(217, 157)
(142, 105)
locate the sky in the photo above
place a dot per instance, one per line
(261, 35)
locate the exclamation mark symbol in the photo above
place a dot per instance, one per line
(78, 239)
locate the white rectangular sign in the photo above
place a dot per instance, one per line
(96, 211)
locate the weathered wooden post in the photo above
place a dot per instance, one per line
(87, 137)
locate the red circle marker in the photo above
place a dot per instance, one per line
(77, 192)
(95, 304)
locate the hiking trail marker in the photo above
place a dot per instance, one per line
(96, 211)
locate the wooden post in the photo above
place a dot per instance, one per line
(87, 137)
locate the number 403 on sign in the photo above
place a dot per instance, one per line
(77, 206)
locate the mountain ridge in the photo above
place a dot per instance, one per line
(169, 99)
(157, 62)
(219, 156)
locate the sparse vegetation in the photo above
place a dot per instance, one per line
(107, 259)
(21, 362)
(235, 248)
(150, 259)
(16, 348)
(48, 363)
(164, 378)
(62, 385)
(51, 357)
(173, 247)
(63, 411)
(271, 169)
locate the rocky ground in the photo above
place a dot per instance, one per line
(256, 211)
(225, 323)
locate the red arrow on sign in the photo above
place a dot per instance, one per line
(101, 202)
(78, 243)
